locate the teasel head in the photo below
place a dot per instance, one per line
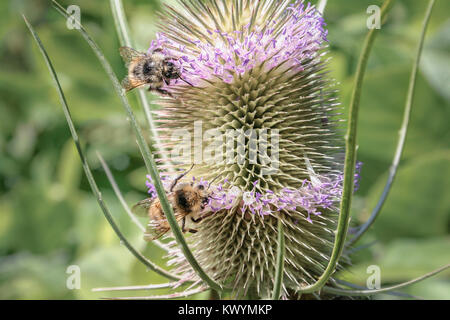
(260, 84)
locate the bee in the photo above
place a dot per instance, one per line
(187, 200)
(155, 70)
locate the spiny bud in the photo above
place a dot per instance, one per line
(259, 88)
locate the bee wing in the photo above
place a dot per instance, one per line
(157, 228)
(129, 54)
(141, 208)
(129, 84)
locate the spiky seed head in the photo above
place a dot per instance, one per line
(257, 66)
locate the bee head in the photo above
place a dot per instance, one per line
(204, 195)
(200, 188)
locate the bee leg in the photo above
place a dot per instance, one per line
(202, 217)
(161, 92)
(196, 220)
(174, 183)
(183, 227)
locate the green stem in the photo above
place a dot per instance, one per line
(383, 290)
(214, 295)
(280, 263)
(148, 158)
(86, 167)
(350, 160)
(402, 133)
(119, 195)
(123, 33)
(391, 293)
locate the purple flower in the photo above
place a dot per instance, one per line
(236, 52)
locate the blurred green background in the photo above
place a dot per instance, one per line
(50, 220)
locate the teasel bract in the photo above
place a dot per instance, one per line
(257, 66)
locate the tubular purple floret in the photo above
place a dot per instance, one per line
(237, 52)
(311, 197)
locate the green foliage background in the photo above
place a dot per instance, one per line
(49, 219)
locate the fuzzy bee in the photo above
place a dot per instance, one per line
(155, 70)
(187, 200)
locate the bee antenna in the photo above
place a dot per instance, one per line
(186, 81)
(209, 185)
